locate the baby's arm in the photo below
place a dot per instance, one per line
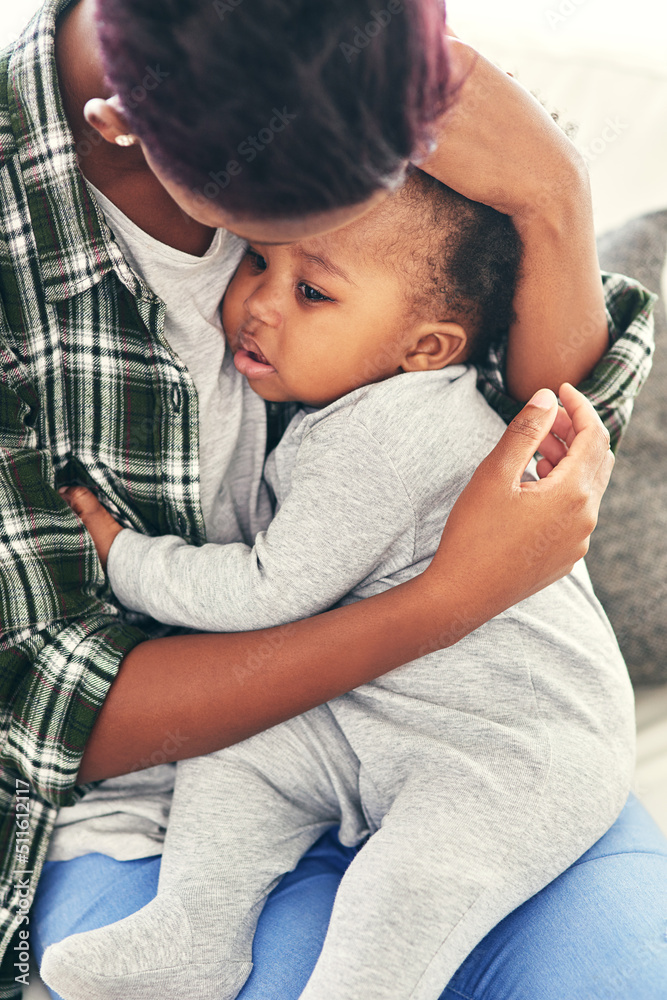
(345, 509)
(96, 519)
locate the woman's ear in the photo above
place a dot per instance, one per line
(434, 346)
(107, 118)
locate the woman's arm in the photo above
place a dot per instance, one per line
(188, 695)
(497, 145)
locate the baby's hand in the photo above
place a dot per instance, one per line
(97, 521)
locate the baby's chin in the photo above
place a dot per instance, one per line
(277, 394)
(271, 393)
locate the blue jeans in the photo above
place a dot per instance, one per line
(598, 932)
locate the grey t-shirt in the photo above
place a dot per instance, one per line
(126, 817)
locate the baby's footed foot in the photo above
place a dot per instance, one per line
(149, 954)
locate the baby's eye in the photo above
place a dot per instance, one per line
(257, 262)
(312, 294)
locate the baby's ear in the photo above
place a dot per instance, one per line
(434, 346)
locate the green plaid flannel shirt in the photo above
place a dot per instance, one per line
(91, 392)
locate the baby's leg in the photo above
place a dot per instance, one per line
(240, 820)
(445, 867)
(403, 896)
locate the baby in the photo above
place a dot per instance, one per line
(472, 776)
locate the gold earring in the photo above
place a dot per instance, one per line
(126, 140)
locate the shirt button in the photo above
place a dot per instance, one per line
(175, 397)
(182, 526)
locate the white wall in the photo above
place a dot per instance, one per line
(608, 26)
(603, 65)
(13, 15)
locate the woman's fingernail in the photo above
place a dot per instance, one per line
(543, 399)
(63, 489)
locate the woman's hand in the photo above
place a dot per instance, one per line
(513, 537)
(96, 519)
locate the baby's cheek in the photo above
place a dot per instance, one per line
(231, 314)
(232, 340)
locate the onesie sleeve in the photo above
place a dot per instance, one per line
(347, 517)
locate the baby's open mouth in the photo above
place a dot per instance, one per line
(250, 361)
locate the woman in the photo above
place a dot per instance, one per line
(311, 141)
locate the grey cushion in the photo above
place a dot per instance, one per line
(628, 553)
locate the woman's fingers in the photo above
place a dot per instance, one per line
(522, 536)
(583, 474)
(603, 474)
(553, 449)
(562, 427)
(524, 435)
(589, 442)
(581, 411)
(581, 423)
(544, 467)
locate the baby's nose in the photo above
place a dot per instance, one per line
(262, 306)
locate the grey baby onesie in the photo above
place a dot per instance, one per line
(473, 775)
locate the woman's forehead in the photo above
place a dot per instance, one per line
(279, 231)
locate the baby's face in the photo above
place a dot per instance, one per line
(312, 321)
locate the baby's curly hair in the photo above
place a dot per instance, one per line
(461, 259)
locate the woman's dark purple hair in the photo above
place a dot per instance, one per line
(331, 96)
